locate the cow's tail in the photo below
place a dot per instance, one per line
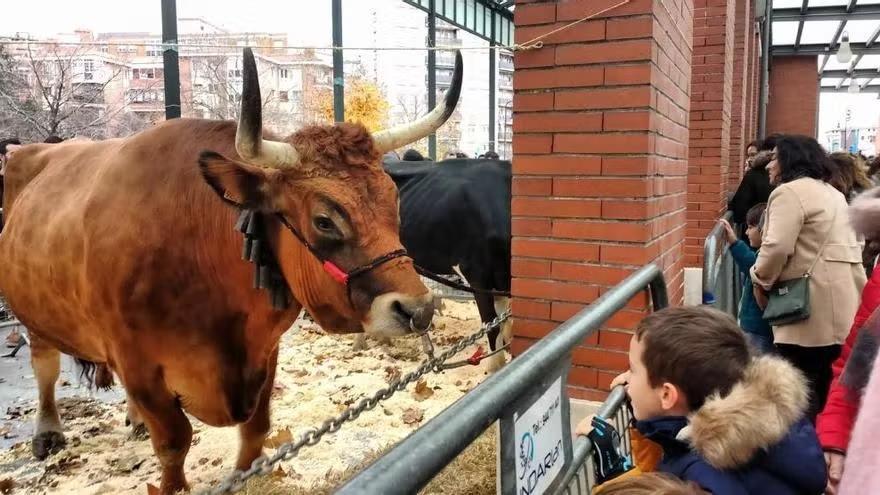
(95, 375)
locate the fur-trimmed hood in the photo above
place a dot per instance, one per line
(757, 413)
(753, 440)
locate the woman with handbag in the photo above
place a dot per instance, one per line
(808, 276)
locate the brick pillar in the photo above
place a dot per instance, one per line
(711, 94)
(738, 117)
(600, 148)
(794, 95)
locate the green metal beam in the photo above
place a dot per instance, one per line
(873, 88)
(850, 12)
(473, 16)
(823, 49)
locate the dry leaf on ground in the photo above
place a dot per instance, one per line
(279, 439)
(413, 415)
(422, 391)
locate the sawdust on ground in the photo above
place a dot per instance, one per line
(318, 375)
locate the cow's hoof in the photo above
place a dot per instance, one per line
(139, 432)
(360, 343)
(47, 443)
(173, 483)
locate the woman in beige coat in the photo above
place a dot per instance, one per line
(803, 211)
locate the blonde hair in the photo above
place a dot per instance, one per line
(649, 484)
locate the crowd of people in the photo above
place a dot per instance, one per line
(781, 403)
(414, 155)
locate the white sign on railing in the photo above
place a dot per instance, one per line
(540, 451)
(536, 438)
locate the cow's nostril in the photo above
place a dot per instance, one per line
(422, 317)
(398, 308)
(417, 317)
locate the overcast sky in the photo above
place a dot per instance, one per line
(307, 22)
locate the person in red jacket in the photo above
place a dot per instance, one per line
(835, 423)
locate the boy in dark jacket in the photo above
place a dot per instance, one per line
(726, 420)
(751, 316)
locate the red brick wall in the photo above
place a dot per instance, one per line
(711, 95)
(738, 116)
(794, 95)
(600, 147)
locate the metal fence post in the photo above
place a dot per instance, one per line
(338, 73)
(170, 59)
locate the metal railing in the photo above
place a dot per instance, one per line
(580, 478)
(446, 292)
(414, 461)
(722, 283)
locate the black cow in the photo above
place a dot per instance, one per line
(455, 218)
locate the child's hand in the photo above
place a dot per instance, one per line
(621, 379)
(728, 231)
(760, 296)
(834, 461)
(585, 426)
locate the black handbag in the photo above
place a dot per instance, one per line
(789, 300)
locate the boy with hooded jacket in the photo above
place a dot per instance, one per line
(728, 421)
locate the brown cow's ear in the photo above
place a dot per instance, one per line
(238, 183)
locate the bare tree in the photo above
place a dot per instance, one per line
(14, 85)
(411, 107)
(60, 90)
(216, 92)
(408, 108)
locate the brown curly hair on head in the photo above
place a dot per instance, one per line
(874, 166)
(654, 483)
(753, 216)
(700, 350)
(336, 147)
(852, 175)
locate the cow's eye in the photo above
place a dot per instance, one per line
(324, 224)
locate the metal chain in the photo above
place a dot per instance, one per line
(264, 464)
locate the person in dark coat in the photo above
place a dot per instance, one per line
(755, 187)
(412, 155)
(731, 422)
(751, 152)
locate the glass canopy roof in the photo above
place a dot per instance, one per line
(817, 27)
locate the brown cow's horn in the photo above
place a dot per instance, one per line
(389, 139)
(249, 140)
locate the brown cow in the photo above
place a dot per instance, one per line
(122, 252)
